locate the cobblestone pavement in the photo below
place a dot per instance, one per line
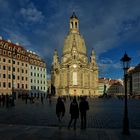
(103, 113)
(26, 132)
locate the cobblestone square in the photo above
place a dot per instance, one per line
(103, 113)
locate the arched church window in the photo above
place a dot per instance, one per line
(72, 24)
(75, 24)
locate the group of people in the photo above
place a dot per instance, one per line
(6, 100)
(35, 97)
(75, 110)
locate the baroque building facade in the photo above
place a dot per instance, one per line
(21, 71)
(37, 74)
(75, 74)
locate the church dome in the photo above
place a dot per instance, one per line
(80, 44)
(74, 35)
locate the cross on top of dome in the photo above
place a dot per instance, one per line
(74, 15)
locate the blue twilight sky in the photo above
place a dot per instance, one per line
(110, 27)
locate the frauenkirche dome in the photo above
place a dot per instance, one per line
(74, 34)
(74, 74)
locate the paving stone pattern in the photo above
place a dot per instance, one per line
(103, 113)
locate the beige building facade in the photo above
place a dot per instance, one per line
(21, 71)
(13, 68)
(74, 74)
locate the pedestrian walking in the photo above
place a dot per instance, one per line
(83, 107)
(3, 100)
(60, 110)
(7, 100)
(74, 111)
(42, 99)
(50, 100)
(26, 98)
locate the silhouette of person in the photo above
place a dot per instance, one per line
(42, 99)
(26, 98)
(83, 107)
(74, 111)
(60, 109)
(3, 100)
(7, 100)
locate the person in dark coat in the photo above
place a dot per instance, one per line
(83, 107)
(42, 99)
(60, 109)
(74, 111)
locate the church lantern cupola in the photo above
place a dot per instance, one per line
(74, 24)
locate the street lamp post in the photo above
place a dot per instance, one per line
(126, 64)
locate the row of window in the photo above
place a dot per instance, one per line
(4, 52)
(136, 85)
(14, 77)
(37, 88)
(9, 85)
(22, 78)
(9, 61)
(6, 46)
(37, 81)
(14, 69)
(37, 74)
(37, 68)
(23, 86)
(23, 64)
(136, 74)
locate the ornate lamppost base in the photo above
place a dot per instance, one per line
(126, 126)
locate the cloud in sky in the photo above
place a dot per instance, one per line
(43, 25)
(31, 14)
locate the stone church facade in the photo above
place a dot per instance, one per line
(74, 75)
